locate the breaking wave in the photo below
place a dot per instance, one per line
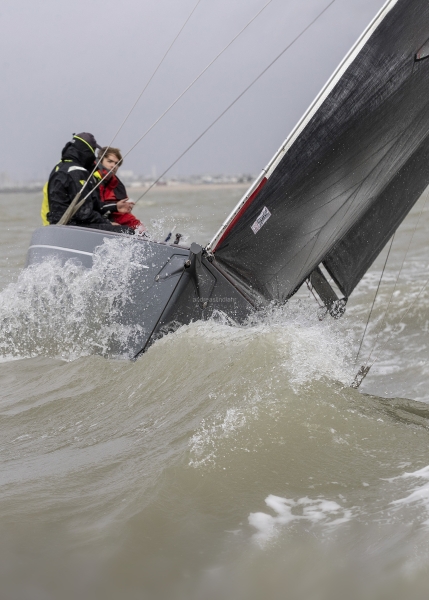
(68, 311)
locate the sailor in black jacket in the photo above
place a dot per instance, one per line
(68, 178)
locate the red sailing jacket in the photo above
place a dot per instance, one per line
(113, 190)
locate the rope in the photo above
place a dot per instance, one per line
(310, 288)
(375, 297)
(236, 100)
(72, 209)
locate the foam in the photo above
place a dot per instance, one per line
(203, 444)
(68, 311)
(294, 331)
(320, 511)
(291, 337)
(419, 495)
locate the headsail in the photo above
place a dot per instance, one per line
(350, 171)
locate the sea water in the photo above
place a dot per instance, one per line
(227, 462)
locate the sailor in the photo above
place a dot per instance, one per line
(68, 178)
(112, 189)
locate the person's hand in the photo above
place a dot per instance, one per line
(123, 206)
(115, 224)
(141, 228)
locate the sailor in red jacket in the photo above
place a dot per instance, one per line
(112, 189)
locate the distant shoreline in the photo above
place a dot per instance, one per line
(188, 187)
(183, 187)
(25, 189)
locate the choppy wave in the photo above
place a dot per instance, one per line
(233, 455)
(227, 462)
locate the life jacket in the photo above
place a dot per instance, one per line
(45, 201)
(45, 205)
(111, 189)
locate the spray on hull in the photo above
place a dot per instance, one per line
(171, 285)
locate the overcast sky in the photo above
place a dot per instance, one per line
(79, 66)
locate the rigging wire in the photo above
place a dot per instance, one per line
(311, 290)
(155, 71)
(77, 206)
(397, 278)
(167, 110)
(365, 368)
(236, 99)
(226, 110)
(375, 297)
(100, 158)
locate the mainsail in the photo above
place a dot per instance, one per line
(348, 174)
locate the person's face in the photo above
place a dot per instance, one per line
(110, 162)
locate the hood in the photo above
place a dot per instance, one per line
(79, 152)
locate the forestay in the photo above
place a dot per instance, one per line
(350, 171)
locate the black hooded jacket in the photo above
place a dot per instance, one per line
(67, 179)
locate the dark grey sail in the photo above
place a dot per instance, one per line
(348, 174)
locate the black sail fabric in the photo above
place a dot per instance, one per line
(350, 175)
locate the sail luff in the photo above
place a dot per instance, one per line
(241, 207)
(266, 173)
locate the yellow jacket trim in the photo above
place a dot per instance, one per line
(45, 205)
(84, 141)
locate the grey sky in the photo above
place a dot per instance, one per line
(79, 66)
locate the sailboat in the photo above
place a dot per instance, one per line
(321, 211)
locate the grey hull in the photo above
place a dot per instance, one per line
(169, 286)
